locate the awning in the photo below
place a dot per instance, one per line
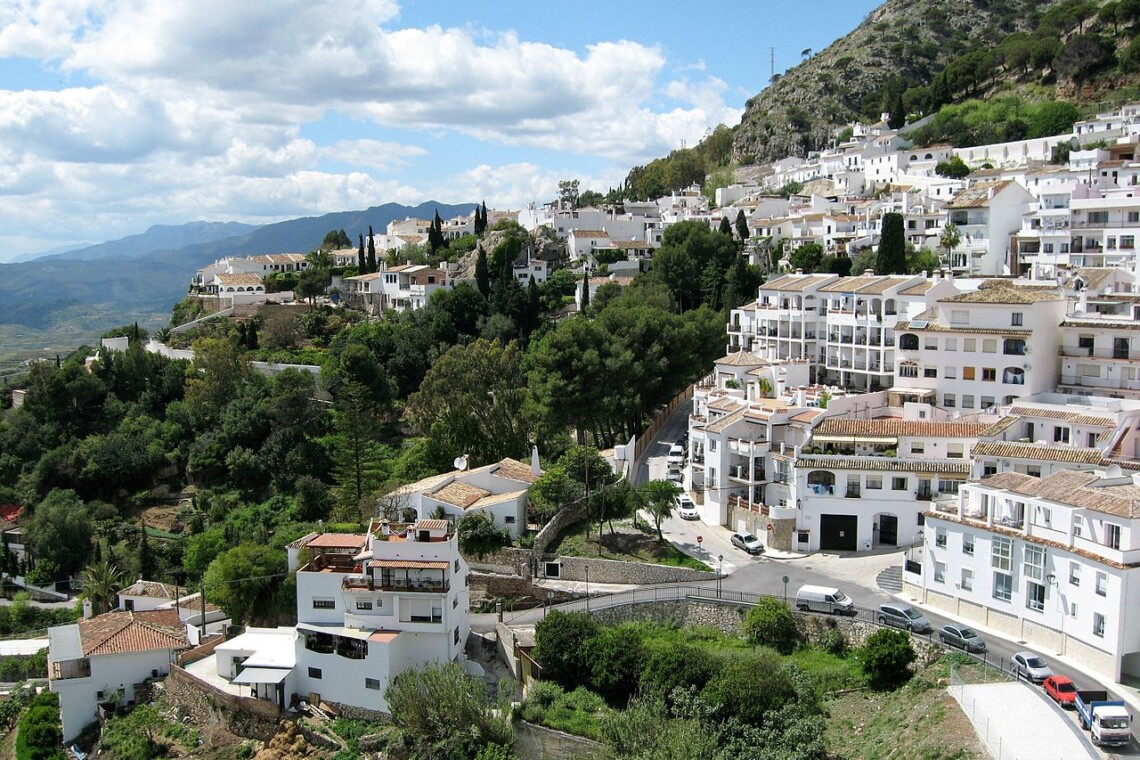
(262, 675)
(409, 564)
(855, 438)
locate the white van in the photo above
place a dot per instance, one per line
(824, 599)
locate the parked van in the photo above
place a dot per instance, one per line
(824, 599)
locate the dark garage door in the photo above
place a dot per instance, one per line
(838, 532)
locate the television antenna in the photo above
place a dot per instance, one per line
(460, 463)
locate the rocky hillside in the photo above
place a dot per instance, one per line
(903, 42)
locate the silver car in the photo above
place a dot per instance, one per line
(1030, 666)
(904, 616)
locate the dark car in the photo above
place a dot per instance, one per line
(1061, 690)
(962, 637)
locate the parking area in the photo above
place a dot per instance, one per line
(1016, 720)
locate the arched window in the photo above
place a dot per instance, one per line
(890, 307)
(929, 156)
(821, 482)
(908, 342)
(1014, 347)
(1013, 376)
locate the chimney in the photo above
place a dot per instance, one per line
(88, 610)
(535, 469)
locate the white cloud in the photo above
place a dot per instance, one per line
(376, 154)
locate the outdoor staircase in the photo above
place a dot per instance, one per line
(890, 580)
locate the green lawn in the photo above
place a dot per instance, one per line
(626, 543)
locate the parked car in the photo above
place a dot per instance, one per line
(747, 542)
(962, 637)
(904, 616)
(674, 476)
(686, 509)
(1029, 665)
(676, 456)
(1061, 689)
(824, 599)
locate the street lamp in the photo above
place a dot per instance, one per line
(549, 601)
(719, 573)
(587, 588)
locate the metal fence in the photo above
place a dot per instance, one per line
(986, 729)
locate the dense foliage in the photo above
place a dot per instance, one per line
(40, 735)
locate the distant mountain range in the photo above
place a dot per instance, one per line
(145, 275)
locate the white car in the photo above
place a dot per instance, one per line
(686, 509)
(1030, 666)
(676, 456)
(674, 476)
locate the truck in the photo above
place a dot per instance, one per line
(1106, 720)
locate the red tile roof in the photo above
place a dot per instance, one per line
(125, 632)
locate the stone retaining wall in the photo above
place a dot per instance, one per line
(540, 743)
(632, 573)
(209, 706)
(724, 617)
(509, 560)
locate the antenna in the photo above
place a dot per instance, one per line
(461, 462)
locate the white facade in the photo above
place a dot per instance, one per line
(499, 490)
(987, 214)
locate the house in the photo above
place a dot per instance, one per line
(109, 658)
(368, 607)
(499, 490)
(987, 214)
(148, 595)
(1053, 562)
(597, 282)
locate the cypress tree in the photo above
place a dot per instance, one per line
(585, 288)
(482, 273)
(892, 246)
(361, 262)
(897, 119)
(371, 251)
(742, 226)
(725, 226)
(146, 558)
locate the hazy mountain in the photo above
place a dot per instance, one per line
(134, 276)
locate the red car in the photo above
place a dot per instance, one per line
(1062, 690)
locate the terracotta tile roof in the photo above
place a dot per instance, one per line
(153, 589)
(1046, 452)
(1075, 489)
(513, 469)
(849, 284)
(725, 404)
(414, 564)
(193, 602)
(244, 279)
(892, 426)
(460, 494)
(885, 464)
(301, 542)
(796, 283)
(939, 327)
(364, 277)
(432, 525)
(978, 194)
(1003, 292)
(124, 632)
(610, 279)
(1121, 322)
(806, 416)
(1005, 423)
(1094, 277)
(338, 541)
(742, 359)
(1060, 414)
(720, 425)
(590, 233)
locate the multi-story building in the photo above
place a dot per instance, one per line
(499, 490)
(1049, 561)
(405, 287)
(986, 214)
(1104, 231)
(983, 348)
(368, 607)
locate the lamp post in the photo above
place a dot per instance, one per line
(719, 573)
(1051, 579)
(549, 601)
(587, 588)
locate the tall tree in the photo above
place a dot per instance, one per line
(482, 272)
(435, 233)
(897, 118)
(742, 226)
(725, 226)
(100, 583)
(371, 250)
(892, 246)
(949, 240)
(585, 288)
(361, 261)
(245, 581)
(147, 566)
(357, 455)
(658, 500)
(59, 532)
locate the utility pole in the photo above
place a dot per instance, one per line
(772, 61)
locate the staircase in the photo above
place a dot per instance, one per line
(890, 580)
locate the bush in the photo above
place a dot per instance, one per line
(771, 623)
(616, 656)
(749, 686)
(41, 736)
(671, 667)
(834, 642)
(886, 658)
(560, 641)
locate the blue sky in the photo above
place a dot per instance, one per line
(118, 115)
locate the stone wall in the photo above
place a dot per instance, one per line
(540, 743)
(723, 616)
(633, 573)
(564, 518)
(208, 706)
(506, 561)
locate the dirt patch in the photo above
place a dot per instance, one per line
(164, 517)
(623, 542)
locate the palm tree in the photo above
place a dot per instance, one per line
(657, 496)
(320, 260)
(950, 240)
(100, 582)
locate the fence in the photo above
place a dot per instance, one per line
(646, 438)
(987, 731)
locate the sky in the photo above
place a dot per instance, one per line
(117, 115)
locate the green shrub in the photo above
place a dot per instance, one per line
(672, 666)
(770, 623)
(616, 657)
(751, 685)
(560, 647)
(834, 642)
(886, 658)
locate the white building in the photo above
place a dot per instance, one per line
(405, 287)
(1049, 561)
(499, 490)
(109, 658)
(986, 214)
(368, 608)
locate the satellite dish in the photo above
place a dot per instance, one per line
(461, 462)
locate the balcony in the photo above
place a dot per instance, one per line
(67, 669)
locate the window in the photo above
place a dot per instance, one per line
(1033, 471)
(940, 572)
(989, 346)
(1112, 536)
(955, 450)
(1013, 376)
(967, 373)
(1078, 526)
(908, 370)
(951, 344)
(455, 636)
(457, 566)
(989, 469)
(1098, 624)
(940, 538)
(1003, 586)
(1060, 434)
(1101, 584)
(1033, 564)
(1016, 319)
(968, 544)
(970, 344)
(363, 605)
(987, 402)
(324, 604)
(315, 672)
(1001, 554)
(509, 519)
(372, 683)
(908, 342)
(1013, 347)
(968, 401)
(967, 579)
(930, 344)
(930, 372)
(1044, 517)
(1035, 596)
(917, 447)
(1074, 574)
(712, 444)
(959, 317)
(950, 373)
(898, 484)
(989, 373)
(874, 482)
(949, 400)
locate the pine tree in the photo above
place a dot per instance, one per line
(371, 251)
(482, 273)
(361, 261)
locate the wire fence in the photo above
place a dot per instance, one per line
(986, 729)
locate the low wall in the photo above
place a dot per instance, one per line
(201, 651)
(209, 706)
(562, 520)
(632, 573)
(508, 560)
(540, 743)
(724, 617)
